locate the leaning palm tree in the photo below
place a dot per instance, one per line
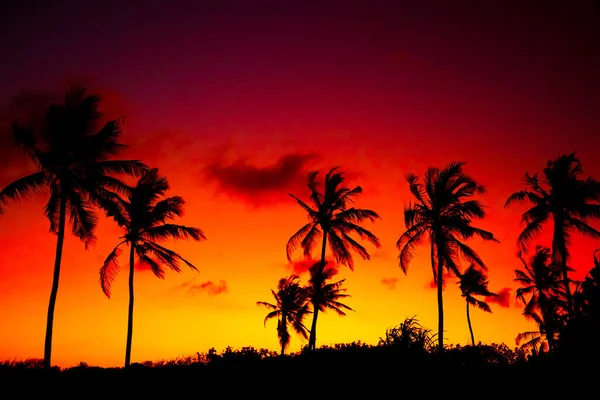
(71, 154)
(566, 199)
(290, 308)
(333, 220)
(473, 282)
(541, 293)
(326, 296)
(143, 216)
(443, 213)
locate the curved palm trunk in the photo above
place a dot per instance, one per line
(55, 279)
(559, 247)
(312, 340)
(130, 312)
(470, 327)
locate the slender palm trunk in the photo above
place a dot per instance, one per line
(469, 322)
(52, 303)
(283, 324)
(559, 247)
(312, 340)
(440, 300)
(130, 312)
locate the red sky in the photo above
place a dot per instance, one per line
(236, 101)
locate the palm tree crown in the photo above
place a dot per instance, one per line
(290, 308)
(473, 282)
(71, 157)
(143, 217)
(332, 218)
(326, 296)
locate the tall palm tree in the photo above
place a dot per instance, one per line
(71, 153)
(332, 219)
(473, 282)
(143, 216)
(326, 296)
(290, 308)
(443, 213)
(541, 292)
(566, 199)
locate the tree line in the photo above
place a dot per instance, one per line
(75, 162)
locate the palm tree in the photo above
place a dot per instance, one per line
(473, 282)
(71, 156)
(143, 217)
(540, 292)
(443, 214)
(332, 219)
(565, 198)
(290, 308)
(326, 296)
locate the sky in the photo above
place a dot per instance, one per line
(236, 101)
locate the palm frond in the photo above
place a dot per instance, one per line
(298, 238)
(109, 270)
(24, 187)
(172, 231)
(83, 218)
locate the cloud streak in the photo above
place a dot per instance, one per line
(209, 287)
(390, 283)
(301, 266)
(503, 299)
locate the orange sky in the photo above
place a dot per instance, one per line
(236, 104)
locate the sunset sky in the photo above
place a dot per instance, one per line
(236, 101)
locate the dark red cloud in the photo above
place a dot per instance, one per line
(390, 282)
(299, 267)
(209, 287)
(503, 299)
(261, 184)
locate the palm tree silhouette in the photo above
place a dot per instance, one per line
(71, 156)
(326, 296)
(473, 282)
(442, 214)
(334, 220)
(533, 341)
(143, 217)
(290, 308)
(563, 196)
(541, 293)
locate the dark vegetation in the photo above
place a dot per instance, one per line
(76, 168)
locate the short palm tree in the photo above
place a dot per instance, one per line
(443, 214)
(473, 282)
(71, 153)
(541, 292)
(290, 308)
(324, 295)
(333, 220)
(143, 216)
(565, 198)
